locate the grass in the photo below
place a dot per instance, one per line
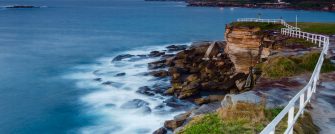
(313, 27)
(261, 25)
(244, 118)
(280, 67)
(297, 41)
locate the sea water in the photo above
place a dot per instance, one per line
(50, 56)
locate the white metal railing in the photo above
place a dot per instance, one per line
(279, 21)
(303, 96)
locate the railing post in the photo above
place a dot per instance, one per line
(290, 120)
(302, 103)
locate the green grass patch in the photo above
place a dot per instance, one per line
(261, 25)
(279, 67)
(244, 118)
(291, 42)
(313, 27)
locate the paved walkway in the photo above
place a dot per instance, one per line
(323, 102)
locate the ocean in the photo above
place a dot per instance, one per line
(50, 56)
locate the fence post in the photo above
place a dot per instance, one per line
(302, 103)
(290, 120)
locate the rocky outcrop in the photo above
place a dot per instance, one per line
(243, 46)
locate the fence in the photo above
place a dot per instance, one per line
(303, 96)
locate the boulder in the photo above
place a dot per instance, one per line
(161, 130)
(145, 90)
(120, 74)
(156, 53)
(157, 64)
(176, 47)
(189, 90)
(160, 73)
(121, 57)
(135, 103)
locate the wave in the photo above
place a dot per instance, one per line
(113, 98)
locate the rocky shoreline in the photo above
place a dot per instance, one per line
(205, 80)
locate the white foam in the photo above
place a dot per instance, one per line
(105, 100)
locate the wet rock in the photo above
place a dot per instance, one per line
(189, 90)
(173, 124)
(161, 130)
(192, 77)
(145, 90)
(120, 74)
(111, 83)
(175, 102)
(110, 105)
(160, 73)
(121, 57)
(157, 64)
(135, 103)
(206, 108)
(145, 110)
(176, 47)
(201, 101)
(160, 87)
(97, 79)
(177, 121)
(156, 53)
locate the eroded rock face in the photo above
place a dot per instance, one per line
(243, 46)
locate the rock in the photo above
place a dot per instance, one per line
(121, 57)
(135, 103)
(206, 108)
(169, 91)
(120, 74)
(160, 87)
(176, 103)
(157, 64)
(145, 110)
(173, 124)
(201, 101)
(97, 79)
(192, 77)
(22, 6)
(176, 47)
(177, 121)
(145, 90)
(189, 90)
(160, 73)
(227, 102)
(243, 46)
(156, 54)
(110, 105)
(161, 130)
(111, 83)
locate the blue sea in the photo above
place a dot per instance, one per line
(50, 56)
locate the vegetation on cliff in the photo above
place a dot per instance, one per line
(279, 67)
(247, 118)
(313, 27)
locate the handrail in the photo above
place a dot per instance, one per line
(304, 95)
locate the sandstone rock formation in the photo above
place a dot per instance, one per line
(243, 46)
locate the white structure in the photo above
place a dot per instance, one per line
(304, 95)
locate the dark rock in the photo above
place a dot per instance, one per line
(135, 103)
(157, 64)
(145, 90)
(121, 57)
(176, 47)
(97, 79)
(160, 73)
(120, 74)
(160, 87)
(22, 6)
(207, 108)
(111, 83)
(145, 110)
(110, 105)
(189, 90)
(173, 124)
(161, 130)
(156, 54)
